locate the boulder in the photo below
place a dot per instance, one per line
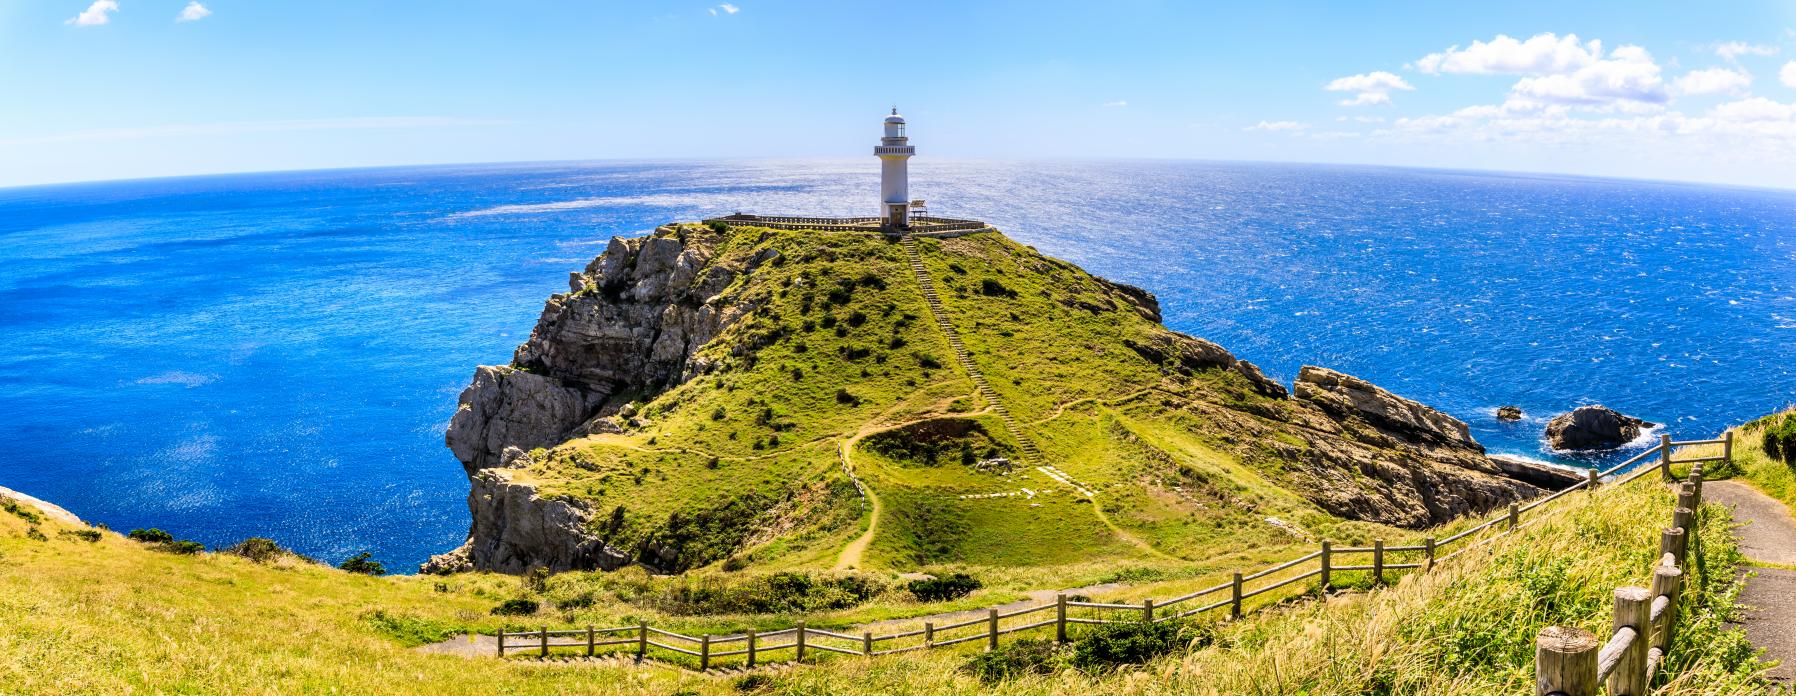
(1345, 395)
(1593, 428)
(1509, 413)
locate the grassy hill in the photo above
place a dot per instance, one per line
(1104, 436)
(93, 612)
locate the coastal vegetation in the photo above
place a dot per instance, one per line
(114, 615)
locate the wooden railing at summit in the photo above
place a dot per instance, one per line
(1378, 559)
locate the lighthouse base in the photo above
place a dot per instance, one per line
(898, 215)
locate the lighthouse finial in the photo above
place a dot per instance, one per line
(894, 109)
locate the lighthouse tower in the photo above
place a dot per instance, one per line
(894, 152)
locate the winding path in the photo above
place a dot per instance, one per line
(1768, 537)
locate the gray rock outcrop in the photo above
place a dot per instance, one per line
(629, 325)
(1593, 428)
(1342, 395)
(1509, 413)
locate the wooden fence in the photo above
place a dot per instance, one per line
(1377, 559)
(1568, 661)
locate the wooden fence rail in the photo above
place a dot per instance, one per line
(1377, 560)
(1569, 662)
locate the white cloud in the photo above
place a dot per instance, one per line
(1732, 50)
(95, 15)
(1285, 126)
(1788, 74)
(193, 12)
(1120, 103)
(1543, 54)
(1627, 75)
(1713, 81)
(1369, 88)
(727, 9)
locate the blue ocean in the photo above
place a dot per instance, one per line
(277, 354)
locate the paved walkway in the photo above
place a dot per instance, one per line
(1768, 537)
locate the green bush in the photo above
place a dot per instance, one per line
(516, 607)
(942, 589)
(183, 547)
(1780, 437)
(258, 549)
(362, 563)
(1109, 646)
(992, 288)
(410, 631)
(150, 536)
(23, 512)
(87, 535)
(1024, 657)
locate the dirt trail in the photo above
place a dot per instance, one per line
(1769, 536)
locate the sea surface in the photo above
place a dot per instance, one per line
(277, 354)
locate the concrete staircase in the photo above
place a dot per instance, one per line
(1031, 455)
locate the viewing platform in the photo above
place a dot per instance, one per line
(919, 226)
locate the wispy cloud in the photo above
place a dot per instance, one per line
(1713, 81)
(725, 8)
(1731, 50)
(1116, 104)
(193, 12)
(95, 15)
(1788, 74)
(1370, 88)
(241, 127)
(1278, 126)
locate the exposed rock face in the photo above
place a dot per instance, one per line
(630, 324)
(1509, 413)
(1593, 428)
(1185, 354)
(1344, 395)
(1373, 455)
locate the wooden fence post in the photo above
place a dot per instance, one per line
(1672, 541)
(642, 640)
(1060, 618)
(1235, 594)
(1696, 476)
(751, 648)
(1590, 480)
(545, 639)
(1565, 662)
(501, 641)
(1633, 609)
(991, 641)
(1428, 553)
(1666, 581)
(867, 643)
(800, 642)
(1147, 610)
(1515, 516)
(589, 640)
(1665, 456)
(1727, 445)
(1325, 566)
(1687, 495)
(704, 652)
(1378, 561)
(928, 635)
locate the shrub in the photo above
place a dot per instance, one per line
(945, 588)
(1113, 645)
(183, 547)
(843, 396)
(87, 535)
(1780, 437)
(410, 631)
(990, 287)
(719, 226)
(1021, 658)
(516, 607)
(150, 536)
(363, 563)
(23, 512)
(719, 414)
(258, 549)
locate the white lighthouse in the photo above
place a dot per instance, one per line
(894, 152)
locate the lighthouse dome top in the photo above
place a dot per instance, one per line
(894, 118)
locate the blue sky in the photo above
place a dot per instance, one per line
(133, 88)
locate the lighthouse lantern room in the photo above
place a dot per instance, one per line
(894, 152)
